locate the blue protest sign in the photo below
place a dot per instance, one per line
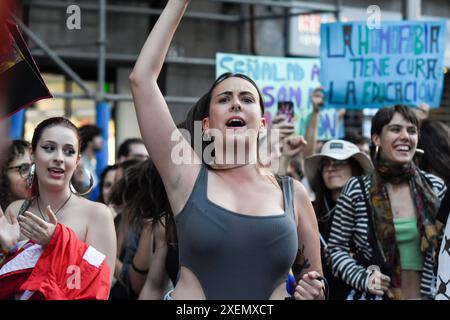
(401, 62)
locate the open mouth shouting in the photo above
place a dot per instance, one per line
(235, 123)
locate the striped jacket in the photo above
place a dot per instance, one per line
(350, 223)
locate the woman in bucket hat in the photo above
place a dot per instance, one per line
(327, 173)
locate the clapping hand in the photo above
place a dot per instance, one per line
(378, 283)
(37, 229)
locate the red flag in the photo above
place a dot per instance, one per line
(20, 79)
(67, 269)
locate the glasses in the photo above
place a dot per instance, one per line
(337, 164)
(24, 169)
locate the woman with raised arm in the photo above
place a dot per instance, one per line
(238, 230)
(57, 244)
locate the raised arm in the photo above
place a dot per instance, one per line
(155, 121)
(311, 131)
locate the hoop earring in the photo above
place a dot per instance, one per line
(91, 186)
(206, 136)
(377, 149)
(31, 175)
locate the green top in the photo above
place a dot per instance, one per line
(408, 241)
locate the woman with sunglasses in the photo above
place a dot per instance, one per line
(390, 217)
(327, 173)
(14, 173)
(238, 230)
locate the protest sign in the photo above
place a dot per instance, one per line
(401, 62)
(282, 80)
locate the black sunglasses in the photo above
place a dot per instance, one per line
(337, 164)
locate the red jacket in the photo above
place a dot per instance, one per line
(67, 269)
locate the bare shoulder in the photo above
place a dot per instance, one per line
(300, 192)
(96, 211)
(303, 205)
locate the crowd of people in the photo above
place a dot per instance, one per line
(284, 217)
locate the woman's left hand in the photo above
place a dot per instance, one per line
(37, 229)
(309, 287)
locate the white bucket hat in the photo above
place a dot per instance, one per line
(338, 150)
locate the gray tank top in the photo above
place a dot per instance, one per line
(236, 256)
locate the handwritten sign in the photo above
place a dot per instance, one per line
(399, 63)
(284, 79)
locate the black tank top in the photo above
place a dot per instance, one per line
(236, 256)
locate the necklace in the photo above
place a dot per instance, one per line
(327, 215)
(57, 211)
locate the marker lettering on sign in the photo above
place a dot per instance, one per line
(400, 62)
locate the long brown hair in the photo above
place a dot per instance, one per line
(140, 200)
(324, 202)
(434, 140)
